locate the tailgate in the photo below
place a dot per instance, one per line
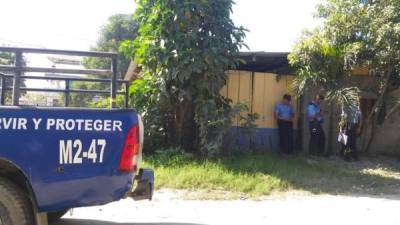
(71, 156)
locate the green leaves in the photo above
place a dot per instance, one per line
(344, 42)
(354, 34)
(187, 46)
(120, 29)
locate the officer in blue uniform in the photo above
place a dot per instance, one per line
(284, 115)
(315, 121)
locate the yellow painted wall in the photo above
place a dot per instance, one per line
(261, 91)
(360, 72)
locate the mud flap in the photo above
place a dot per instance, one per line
(145, 185)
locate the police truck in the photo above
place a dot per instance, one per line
(53, 159)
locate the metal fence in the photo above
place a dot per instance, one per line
(16, 73)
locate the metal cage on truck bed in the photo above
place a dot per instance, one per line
(16, 73)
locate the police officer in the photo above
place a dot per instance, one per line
(284, 115)
(350, 126)
(316, 119)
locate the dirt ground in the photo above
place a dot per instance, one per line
(169, 207)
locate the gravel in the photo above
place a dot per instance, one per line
(168, 208)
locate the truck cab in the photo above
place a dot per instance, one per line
(53, 159)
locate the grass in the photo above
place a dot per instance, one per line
(259, 175)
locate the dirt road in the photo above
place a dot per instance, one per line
(167, 209)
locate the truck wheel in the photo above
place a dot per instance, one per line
(54, 216)
(15, 206)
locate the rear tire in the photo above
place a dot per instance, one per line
(55, 216)
(15, 206)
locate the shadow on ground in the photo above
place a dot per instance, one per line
(98, 222)
(371, 176)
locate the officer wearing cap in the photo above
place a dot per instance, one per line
(316, 119)
(284, 115)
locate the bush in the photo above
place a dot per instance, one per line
(146, 98)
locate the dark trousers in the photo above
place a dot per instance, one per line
(317, 138)
(349, 151)
(285, 136)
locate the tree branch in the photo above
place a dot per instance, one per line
(379, 102)
(376, 107)
(392, 110)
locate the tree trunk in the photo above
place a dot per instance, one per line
(185, 128)
(371, 119)
(372, 136)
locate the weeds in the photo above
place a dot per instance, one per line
(259, 175)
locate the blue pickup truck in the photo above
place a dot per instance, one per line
(53, 159)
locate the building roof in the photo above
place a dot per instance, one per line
(265, 62)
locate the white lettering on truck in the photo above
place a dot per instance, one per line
(65, 151)
(13, 123)
(71, 151)
(85, 125)
(36, 122)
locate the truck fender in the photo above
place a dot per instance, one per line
(15, 174)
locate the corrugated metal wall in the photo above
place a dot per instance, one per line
(261, 91)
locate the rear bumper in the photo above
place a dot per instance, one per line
(145, 185)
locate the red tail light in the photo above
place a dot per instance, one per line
(130, 151)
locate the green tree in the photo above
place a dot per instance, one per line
(187, 46)
(119, 27)
(6, 58)
(354, 34)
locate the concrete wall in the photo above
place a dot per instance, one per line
(387, 139)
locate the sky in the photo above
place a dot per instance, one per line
(274, 25)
